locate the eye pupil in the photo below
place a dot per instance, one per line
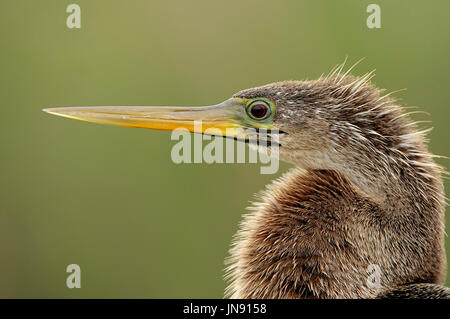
(258, 110)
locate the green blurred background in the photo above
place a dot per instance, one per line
(109, 198)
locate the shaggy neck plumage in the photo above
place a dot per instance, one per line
(387, 179)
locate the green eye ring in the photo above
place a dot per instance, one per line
(259, 110)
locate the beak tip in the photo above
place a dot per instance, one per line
(48, 110)
(57, 111)
(53, 110)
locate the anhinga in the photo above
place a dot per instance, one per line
(365, 190)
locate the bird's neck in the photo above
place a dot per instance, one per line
(316, 232)
(386, 180)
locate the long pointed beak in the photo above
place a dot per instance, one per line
(221, 119)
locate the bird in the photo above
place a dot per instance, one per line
(361, 212)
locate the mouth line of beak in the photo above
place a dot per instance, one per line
(259, 141)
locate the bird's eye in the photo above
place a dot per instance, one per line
(258, 110)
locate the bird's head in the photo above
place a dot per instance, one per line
(330, 122)
(336, 122)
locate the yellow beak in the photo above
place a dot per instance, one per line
(221, 119)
